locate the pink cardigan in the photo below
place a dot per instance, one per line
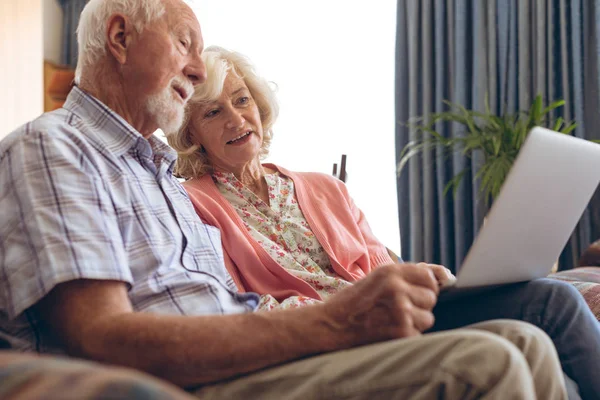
(339, 226)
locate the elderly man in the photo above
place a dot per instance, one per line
(103, 257)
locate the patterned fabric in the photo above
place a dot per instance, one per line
(581, 274)
(85, 196)
(281, 229)
(587, 281)
(26, 376)
(339, 225)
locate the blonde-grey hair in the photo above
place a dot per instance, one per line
(91, 31)
(192, 161)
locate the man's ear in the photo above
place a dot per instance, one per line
(118, 31)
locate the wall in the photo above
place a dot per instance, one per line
(21, 62)
(53, 23)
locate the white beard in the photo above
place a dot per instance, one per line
(166, 110)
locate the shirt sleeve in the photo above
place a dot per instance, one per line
(57, 222)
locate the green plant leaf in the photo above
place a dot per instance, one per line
(554, 105)
(454, 183)
(536, 110)
(497, 137)
(409, 151)
(558, 124)
(569, 128)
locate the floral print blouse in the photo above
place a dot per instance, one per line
(281, 229)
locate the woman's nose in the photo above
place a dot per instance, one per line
(235, 120)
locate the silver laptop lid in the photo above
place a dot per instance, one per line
(542, 199)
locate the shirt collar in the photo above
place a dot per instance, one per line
(109, 131)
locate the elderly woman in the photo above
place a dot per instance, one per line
(292, 237)
(296, 238)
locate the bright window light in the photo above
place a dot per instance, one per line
(333, 64)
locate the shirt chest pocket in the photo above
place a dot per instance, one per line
(204, 251)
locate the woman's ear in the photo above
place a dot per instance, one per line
(118, 36)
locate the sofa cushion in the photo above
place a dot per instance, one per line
(587, 281)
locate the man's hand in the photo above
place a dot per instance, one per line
(442, 274)
(390, 303)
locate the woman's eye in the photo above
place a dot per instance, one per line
(211, 113)
(243, 100)
(184, 43)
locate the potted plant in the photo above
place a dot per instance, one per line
(498, 138)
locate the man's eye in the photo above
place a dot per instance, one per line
(184, 43)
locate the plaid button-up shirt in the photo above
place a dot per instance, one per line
(85, 196)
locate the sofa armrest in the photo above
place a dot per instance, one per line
(31, 376)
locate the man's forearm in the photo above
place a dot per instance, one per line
(95, 319)
(194, 350)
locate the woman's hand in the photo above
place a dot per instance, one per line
(442, 274)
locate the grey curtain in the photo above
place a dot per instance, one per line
(71, 10)
(509, 50)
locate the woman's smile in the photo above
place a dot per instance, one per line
(242, 139)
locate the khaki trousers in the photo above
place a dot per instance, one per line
(500, 359)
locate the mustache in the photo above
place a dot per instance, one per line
(184, 84)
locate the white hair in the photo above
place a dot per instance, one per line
(91, 32)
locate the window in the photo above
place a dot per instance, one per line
(333, 63)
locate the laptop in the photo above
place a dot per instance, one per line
(541, 201)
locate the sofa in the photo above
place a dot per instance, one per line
(586, 278)
(31, 376)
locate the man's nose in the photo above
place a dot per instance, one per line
(195, 70)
